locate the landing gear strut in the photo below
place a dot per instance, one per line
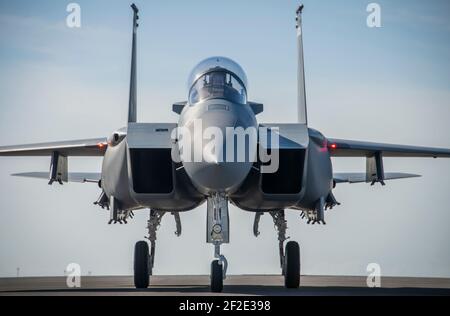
(152, 225)
(289, 259)
(218, 271)
(143, 258)
(217, 234)
(281, 226)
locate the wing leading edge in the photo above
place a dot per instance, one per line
(59, 153)
(80, 177)
(352, 148)
(78, 148)
(359, 177)
(374, 154)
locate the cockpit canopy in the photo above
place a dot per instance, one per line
(217, 78)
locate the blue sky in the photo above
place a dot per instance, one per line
(410, 51)
(389, 84)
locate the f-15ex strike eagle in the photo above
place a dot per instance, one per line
(260, 168)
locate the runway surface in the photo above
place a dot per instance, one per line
(266, 285)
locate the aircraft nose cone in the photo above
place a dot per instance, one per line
(219, 177)
(215, 158)
(214, 172)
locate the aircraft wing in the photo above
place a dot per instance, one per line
(80, 148)
(359, 177)
(351, 148)
(80, 177)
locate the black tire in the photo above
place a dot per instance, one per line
(292, 265)
(141, 257)
(216, 277)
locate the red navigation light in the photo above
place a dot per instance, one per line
(333, 146)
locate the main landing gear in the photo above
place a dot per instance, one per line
(217, 234)
(141, 265)
(144, 256)
(291, 267)
(289, 254)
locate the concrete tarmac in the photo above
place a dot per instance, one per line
(264, 285)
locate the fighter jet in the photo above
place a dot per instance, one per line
(169, 168)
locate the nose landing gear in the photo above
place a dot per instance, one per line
(218, 234)
(218, 270)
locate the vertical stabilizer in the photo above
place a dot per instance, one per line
(132, 105)
(301, 101)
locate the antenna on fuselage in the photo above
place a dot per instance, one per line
(132, 105)
(301, 97)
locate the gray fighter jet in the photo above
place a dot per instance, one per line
(165, 169)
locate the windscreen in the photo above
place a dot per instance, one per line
(218, 84)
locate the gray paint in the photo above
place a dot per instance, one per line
(301, 85)
(132, 105)
(223, 176)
